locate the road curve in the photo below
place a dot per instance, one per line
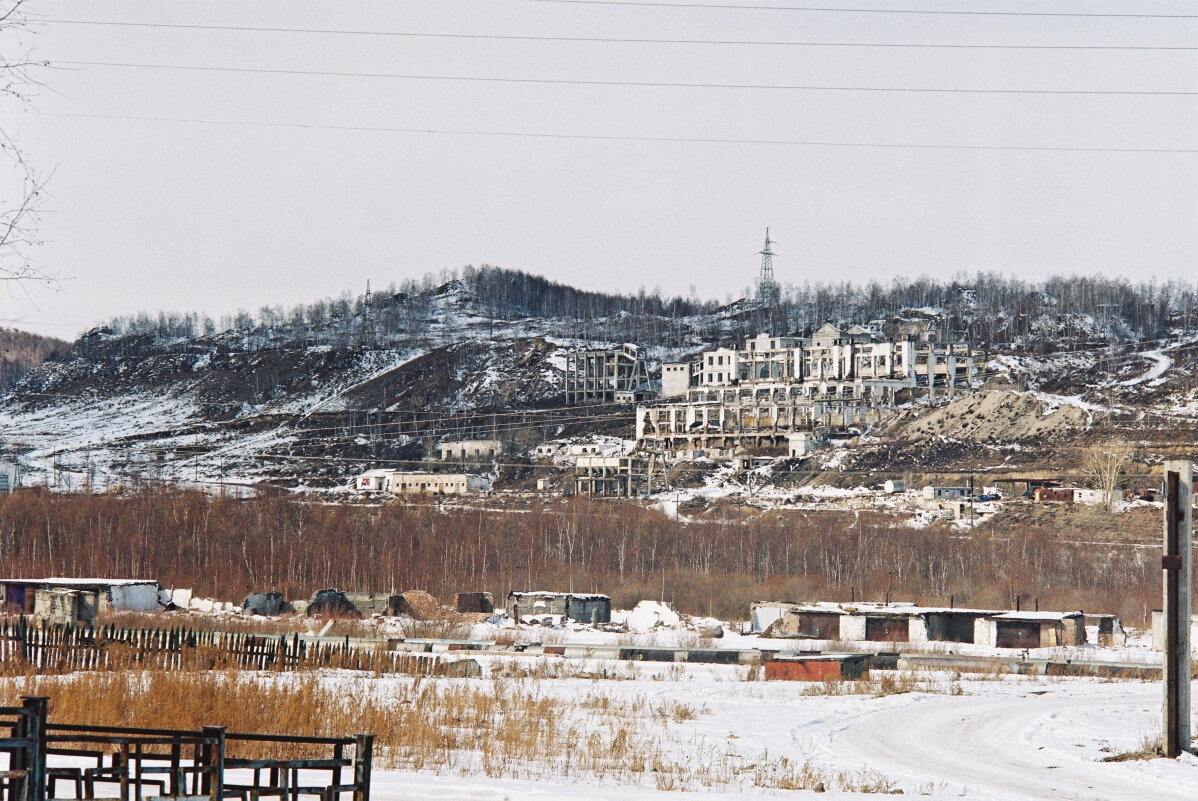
(1043, 744)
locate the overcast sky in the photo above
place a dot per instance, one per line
(149, 215)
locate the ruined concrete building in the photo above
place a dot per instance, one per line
(613, 475)
(755, 396)
(470, 450)
(598, 376)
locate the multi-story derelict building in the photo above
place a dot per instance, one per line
(757, 396)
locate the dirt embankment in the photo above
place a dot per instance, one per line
(998, 416)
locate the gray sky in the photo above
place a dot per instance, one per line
(188, 216)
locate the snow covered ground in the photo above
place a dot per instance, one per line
(1016, 738)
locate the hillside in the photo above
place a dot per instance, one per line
(21, 351)
(308, 396)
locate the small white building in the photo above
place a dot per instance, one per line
(946, 493)
(403, 483)
(1089, 496)
(373, 480)
(470, 449)
(800, 444)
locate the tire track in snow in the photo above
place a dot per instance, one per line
(1014, 748)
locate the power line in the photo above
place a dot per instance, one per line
(607, 137)
(649, 84)
(612, 39)
(847, 10)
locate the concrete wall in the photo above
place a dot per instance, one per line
(56, 606)
(132, 598)
(852, 627)
(985, 632)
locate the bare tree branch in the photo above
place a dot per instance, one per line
(22, 197)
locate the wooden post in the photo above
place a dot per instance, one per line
(213, 784)
(34, 727)
(363, 755)
(1176, 565)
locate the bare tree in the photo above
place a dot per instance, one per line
(1106, 466)
(23, 195)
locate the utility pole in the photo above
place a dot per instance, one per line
(1176, 565)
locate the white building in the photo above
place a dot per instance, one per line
(755, 396)
(412, 483)
(373, 480)
(800, 444)
(470, 450)
(946, 493)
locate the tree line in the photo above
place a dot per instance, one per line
(987, 309)
(225, 548)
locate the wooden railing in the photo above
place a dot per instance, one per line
(171, 764)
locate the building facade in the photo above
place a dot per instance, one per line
(470, 450)
(617, 475)
(758, 395)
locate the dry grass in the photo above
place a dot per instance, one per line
(289, 624)
(496, 727)
(881, 683)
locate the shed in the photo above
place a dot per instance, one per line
(818, 667)
(1108, 630)
(266, 604)
(1030, 629)
(580, 607)
(1053, 494)
(878, 622)
(479, 602)
(93, 596)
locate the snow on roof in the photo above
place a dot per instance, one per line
(81, 582)
(547, 594)
(1035, 615)
(896, 609)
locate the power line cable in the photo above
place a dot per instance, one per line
(646, 84)
(612, 39)
(849, 10)
(608, 137)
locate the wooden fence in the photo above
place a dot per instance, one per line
(55, 648)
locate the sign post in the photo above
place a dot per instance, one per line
(1179, 519)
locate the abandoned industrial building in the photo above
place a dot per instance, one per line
(599, 375)
(613, 475)
(579, 607)
(756, 396)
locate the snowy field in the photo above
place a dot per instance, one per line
(1009, 738)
